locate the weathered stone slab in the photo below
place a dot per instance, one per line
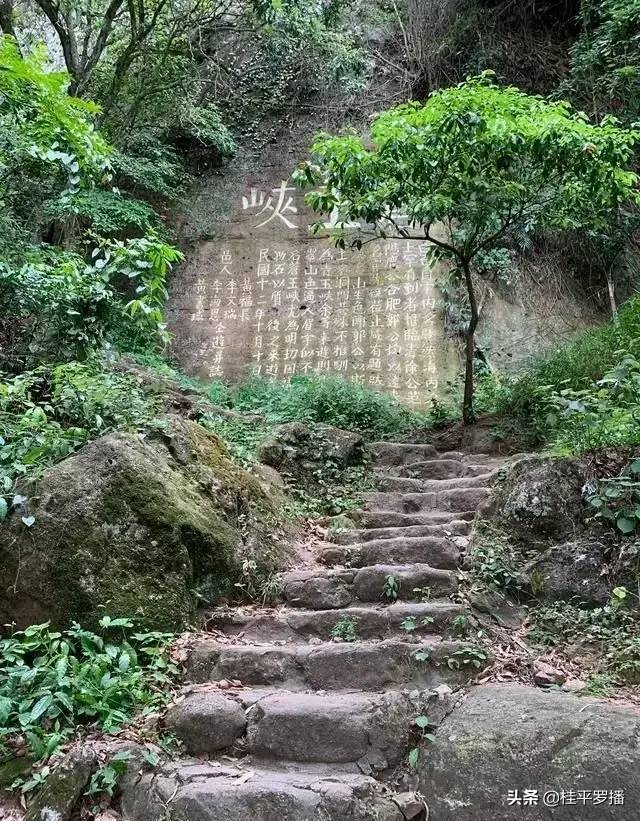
(508, 738)
(206, 722)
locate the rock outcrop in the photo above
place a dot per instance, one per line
(541, 536)
(304, 454)
(571, 570)
(541, 498)
(133, 526)
(505, 739)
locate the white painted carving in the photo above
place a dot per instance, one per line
(277, 204)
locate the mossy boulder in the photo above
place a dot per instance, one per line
(540, 498)
(305, 454)
(133, 526)
(57, 797)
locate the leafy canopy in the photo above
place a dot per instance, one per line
(484, 161)
(41, 120)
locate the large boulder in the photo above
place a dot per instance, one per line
(508, 738)
(303, 454)
(540, 498)
(133, 526)
(576, 570)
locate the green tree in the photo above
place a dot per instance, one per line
(178, 78)
(471, 169)
(67, 302)
(605, 59)
(48, 143)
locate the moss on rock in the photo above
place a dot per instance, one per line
(133, 527)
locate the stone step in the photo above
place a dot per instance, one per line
(370, 622)
(332, 588)
(474, 458)
(439, 469)
(359, 665)
(452, 454)
(383, 519)
(398, 453)
(441, 553)
(259, 791)
(452, 527)
(432, 469)
(402, 484)
(303, 727)
(453, 500)
(332, 728)
(291, 726)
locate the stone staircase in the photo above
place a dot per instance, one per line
(307, 710)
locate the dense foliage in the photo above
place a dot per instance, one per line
(52, 682)
(605, 60)
(330, 401)
(585, 396)
(472, 170)
(180, 82)
(68, 291)
(50, 411)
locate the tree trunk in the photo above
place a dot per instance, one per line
(6, 18)
(611, 288)
(468, 414)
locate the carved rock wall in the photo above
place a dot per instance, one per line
(259, 292)
(269, 296)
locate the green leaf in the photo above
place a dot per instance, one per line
(40, 707)
(6, 707)
(151, 757)
(626, 525)
(36, 744)
(64, 699)
(422, 722)
(4, 509)
(414, 757)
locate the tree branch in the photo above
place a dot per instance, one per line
(52, 11)
(103, 36)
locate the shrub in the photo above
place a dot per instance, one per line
(53, 683)
(327, 400)
(47, 413)
(584, 396)
(581, 362)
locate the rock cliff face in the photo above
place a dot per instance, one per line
(133, 526)
(260, 291)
